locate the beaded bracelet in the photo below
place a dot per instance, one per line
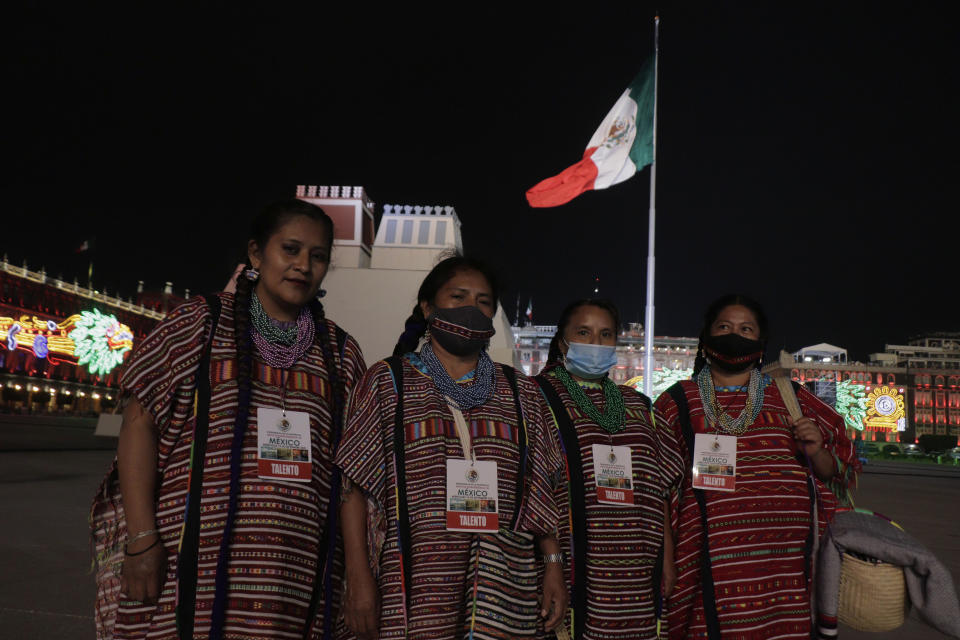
(142, 551)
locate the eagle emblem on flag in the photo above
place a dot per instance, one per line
(619, 132)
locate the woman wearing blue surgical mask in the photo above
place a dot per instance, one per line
(449, 475)
(623, 467)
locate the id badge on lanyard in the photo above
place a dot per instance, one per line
(472, 496)
(283, 445)
(613, 474)
(714, 462)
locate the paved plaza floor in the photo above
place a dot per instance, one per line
(46, 590)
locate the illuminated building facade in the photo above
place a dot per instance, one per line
(870, 397)
(900, 394)
(932, 364)
(531, 346)
(62, 346)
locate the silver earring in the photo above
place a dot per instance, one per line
(252, 274)
(321, 293)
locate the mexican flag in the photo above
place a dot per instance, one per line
(621, 146)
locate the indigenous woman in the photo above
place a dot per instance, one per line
(449, 480)
(757, 480)
(218, 519)
(623, 468)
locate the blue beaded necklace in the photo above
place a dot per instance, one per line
(466, 396)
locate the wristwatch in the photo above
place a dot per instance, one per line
(553, 557)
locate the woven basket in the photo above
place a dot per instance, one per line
(873, 595)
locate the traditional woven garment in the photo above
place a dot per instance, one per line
(758, 534)
(621, 542)
(451, 593)
(273, 554)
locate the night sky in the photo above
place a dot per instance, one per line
(806, 156)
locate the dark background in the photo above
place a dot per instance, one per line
(807, 155)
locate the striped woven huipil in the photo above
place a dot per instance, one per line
(758, 534)
(451, 596)
(273, 553)
(619, 544)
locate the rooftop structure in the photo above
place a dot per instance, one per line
(41, 277)
(822, 352)
(414, 234)
(352, 213)
(939, 350)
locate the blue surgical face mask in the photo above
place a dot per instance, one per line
(589, 361)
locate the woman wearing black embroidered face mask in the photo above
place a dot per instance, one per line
(753, 476)
(623, 470)
(450, 473)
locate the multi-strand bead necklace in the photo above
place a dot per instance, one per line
(612, 419)
(466, 396)
(718, 416)
(280, 346)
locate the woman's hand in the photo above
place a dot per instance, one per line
(808, 436)
(143, 575)
(555, 596)
(361, 597)
(361, 605)
(810, 440)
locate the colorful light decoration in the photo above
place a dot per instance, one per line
(101, 341)
(40, 347)
(885, 410)
(663, 379)
(851, 403)
(95, 339)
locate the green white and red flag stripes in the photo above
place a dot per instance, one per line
(621, 146)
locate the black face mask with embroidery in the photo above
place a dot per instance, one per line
(461, 330)
(732, 352)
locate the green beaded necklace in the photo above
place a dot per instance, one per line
(277, 335)
(612, 420)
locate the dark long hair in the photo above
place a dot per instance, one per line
(416, 325)
(714, 310)
(555, 356)
(267, 223)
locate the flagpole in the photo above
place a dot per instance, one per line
(651, 228)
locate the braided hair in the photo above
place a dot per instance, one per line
(415, 326)
(554, 355)
(267, 223)
(714, 310)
